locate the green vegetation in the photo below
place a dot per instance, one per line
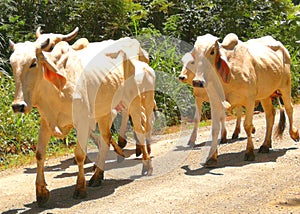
(170, 20)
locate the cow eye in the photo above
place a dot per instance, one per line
(192, 62)
(33, 64)
(212, 52)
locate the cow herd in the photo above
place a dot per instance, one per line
(86, 84)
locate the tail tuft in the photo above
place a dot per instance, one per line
(281, 125)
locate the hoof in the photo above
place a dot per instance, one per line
(264, 149)
(43, 198)
(191, 143)
(223, 141)
(249, 156)
(235, 136)
(79, 194)
(147, 169)
(96, 180)
(211, 163)
(138, 151)
(122, 142)
(295, 135)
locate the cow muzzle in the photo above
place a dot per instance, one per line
(19, 107)
(182, 78)
(199, 83)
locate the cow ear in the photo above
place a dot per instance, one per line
(221, 64)
(53, 74)
(129, 68)
(143, 55)
(11, 45)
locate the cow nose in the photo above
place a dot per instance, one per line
(199, 83)
(19, 107)
(182, 77)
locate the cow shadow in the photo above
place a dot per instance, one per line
(237, 160)
(205, 143)
(62, 197)
(111, 163)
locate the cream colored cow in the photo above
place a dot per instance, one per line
(186, 76)
(53, 83)
(245, 72)
(141, 78)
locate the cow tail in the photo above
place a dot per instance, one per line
(282, 121)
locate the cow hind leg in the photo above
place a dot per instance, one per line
(294, 133)
(122, 142)
(237, 129)
(139, 122)
(270, 116)
(248, 126)
(80, 189)
(104, 124)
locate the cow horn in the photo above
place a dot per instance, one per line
(12, 45)
(45, 44)
(71, 35)
(38, 32)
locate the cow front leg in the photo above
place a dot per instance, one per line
(197, 119)
(42, 193)
(80, 189)
(270, 116)
(218, 119)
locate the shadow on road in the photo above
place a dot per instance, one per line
(237, 160)
(62, 197)
(111, 163)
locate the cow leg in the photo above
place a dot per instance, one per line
(289, 111)
(104, 124)
(122, 135)
(237, 129)
(212, 160)
(197, 119)
(218, 119)
(223, 132)
(80, 189)
(149, 105)
(42, 193)
(270, 116)
(248, 126)
(139, 121)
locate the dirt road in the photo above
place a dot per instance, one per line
(270, 184)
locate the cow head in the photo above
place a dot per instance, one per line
(210, 58)
(54, 62)
(27, 74)
(188, 69)
(54, 38)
